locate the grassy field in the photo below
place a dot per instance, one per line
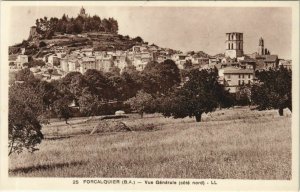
(229, 144)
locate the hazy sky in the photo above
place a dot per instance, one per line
(197, 28)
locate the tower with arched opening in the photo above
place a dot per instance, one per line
(234, 45)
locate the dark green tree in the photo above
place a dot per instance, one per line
(73, 84)
(62, 109)
(131, 83)
(160, 78)
(25, 108)
(273, 89)
(25, 75)
(200, 94)
(188, 64)
(138, 39)
(89, 103)
(98, 83)
(141, 102)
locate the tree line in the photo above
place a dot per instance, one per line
(47, 27)
(159, 88)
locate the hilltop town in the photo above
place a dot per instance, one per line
(104, 50)
(86, 101)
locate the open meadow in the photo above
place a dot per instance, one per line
(234, 143)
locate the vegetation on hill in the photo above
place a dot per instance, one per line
(99, 41)
(74, 33)
(47, 27)
(199, 54)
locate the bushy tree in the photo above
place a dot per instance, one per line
(48, 92)
(200, 94)
(25, 108)
(160, 78)
(25, 75)
(74, 83)
(46, 28)
(138, 39)
(42, 44)
(188, 64)
(141, 102)
(273, 89)
(98, 83)
(243, 97)
(89, 103)
(62, 109)
(131, 83)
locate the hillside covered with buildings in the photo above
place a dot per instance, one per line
(77, 44)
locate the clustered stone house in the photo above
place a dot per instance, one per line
(235, 67)
(84, 59)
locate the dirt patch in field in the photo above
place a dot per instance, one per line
(110, 126)
(105, 126)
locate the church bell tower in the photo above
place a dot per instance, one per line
(234, 45)
(261, 50)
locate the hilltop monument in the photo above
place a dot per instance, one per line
(82, 13)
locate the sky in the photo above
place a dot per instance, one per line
(180, 28)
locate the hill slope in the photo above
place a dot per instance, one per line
(100, 41)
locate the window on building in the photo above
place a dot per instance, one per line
(249, 82)
(243, 76)
(248, 76)
(239, 82)
(231, 45)
(243, 82)
(228, 45)
(239, 75)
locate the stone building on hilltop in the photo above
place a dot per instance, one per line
(33, 34)
(82, 13)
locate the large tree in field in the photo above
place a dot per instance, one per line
(141, 102)
(62, 109)
(98, 84)
(89, 103)
(273, 89)
(160, 77)
(201, 93)
(131, 84)
(74, 83)
(25, 108)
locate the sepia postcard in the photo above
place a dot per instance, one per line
(149, 95)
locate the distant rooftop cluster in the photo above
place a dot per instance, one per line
(235, 67)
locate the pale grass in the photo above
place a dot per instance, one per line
(229, 144)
